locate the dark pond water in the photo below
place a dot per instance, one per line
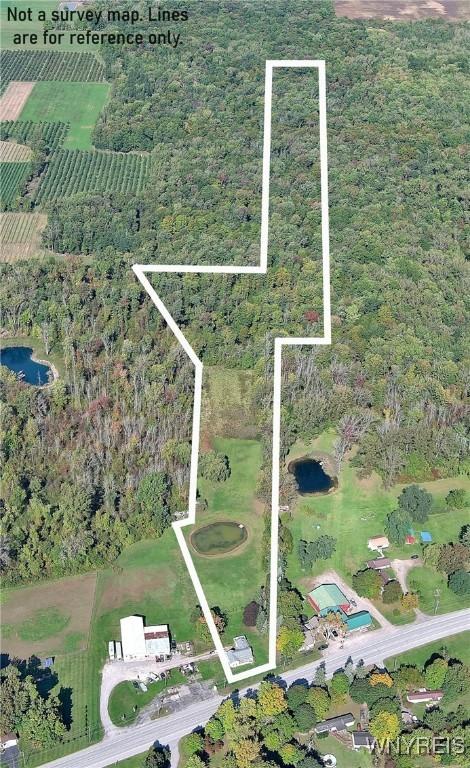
(217, 538)
(310, 476)
(18, 360)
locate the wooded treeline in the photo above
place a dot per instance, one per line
(395, 381)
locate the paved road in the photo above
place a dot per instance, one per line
(374, 648)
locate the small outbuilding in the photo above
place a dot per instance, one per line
(359, 620)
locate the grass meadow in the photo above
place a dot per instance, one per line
(66, 102)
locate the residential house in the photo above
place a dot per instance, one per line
(363, 740)
(241, 652)
(379, 563)
(339, 723)
(424, 696)
(378, 543)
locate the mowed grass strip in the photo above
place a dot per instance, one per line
(231, 581)
(78, 104)
(20, 236)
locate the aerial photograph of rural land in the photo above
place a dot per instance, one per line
(235, 383)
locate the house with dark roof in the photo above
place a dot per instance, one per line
(363, 740)
(339, 723)
(379, 563)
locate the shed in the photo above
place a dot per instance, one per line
(426, 537)
(422, 696)
(410, 539)
(328, 597)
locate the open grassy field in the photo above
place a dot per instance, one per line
(355, 511)
(458, 647)
(76, 103)
(231, 581)
(11, 28)
(48, 618)
(20, 235)
(228, 408)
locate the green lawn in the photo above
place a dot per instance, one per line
(126, 700)
(233, 580)
(347, 758)
(356, 511)
(76, 103)
(11, 28)
(42, 624)
(458, 647)
(132, 762)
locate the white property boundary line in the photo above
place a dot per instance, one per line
(141, 269)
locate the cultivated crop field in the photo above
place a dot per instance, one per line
(20, 235)
(51, 65)
(29, 132)
(72, 171)
(14, 98)
(10, 152)
(12, 179)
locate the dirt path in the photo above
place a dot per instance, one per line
(362, 603)
(401, 568)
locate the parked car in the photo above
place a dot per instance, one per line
(415, 557)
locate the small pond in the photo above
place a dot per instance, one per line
(20, 361)
(310, 476)
(218, 538)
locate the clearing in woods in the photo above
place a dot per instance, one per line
(78, 104)
(20, 236)
(403, 10)
(14, 99)
(48, 618)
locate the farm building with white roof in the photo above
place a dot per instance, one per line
(140, 642)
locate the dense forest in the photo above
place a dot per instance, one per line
(86, 460)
